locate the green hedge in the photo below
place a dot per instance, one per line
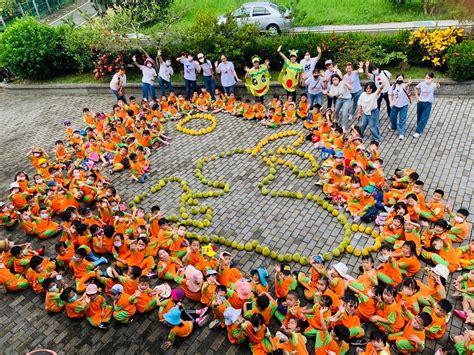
(460, 61)
(34, 50)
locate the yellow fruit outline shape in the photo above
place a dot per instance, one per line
(203, 116)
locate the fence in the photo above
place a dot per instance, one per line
(36, 8)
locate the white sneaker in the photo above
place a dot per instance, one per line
(416, 135)
(402, 137)
(350, 117)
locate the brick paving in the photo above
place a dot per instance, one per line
(443, 157)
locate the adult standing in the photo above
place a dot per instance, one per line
(118, 83)
(314, 88)
(400, 98)
(207, 74)
(380, 78)
(341, 90)
(309, 64)
(191, 68)
(257, 78)
(290, 74)
(331, 69)
(424, 97)
(148, 77)
(228, 75)
(352, 77)
(164, 73)
(369, 111)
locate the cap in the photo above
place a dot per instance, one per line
(177, 294)
(256, 58)
(231, 315)
(116, 289)
(208, 250)
(211, 272)
(328, 61)
(339, 154)
(91, 289)
(285, 269)
(15, 185)
(318, 259)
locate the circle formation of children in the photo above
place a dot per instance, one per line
(114, 257)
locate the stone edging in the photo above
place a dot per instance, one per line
(448, 87)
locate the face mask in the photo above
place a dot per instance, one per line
(2, 266)
(168, 63)
(459, 219)
(73, 298)
(149, 65)
(117, 244)
(428, 81)
(39, 181)
(181, 233)
(54, 289)
(399, 82)
(375, 72)
(140, 247)
(74, 259)
(307, 57)
(383, 258)
(437, 247)
(89, 182)
(44, 215)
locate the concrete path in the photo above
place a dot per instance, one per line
(77, 15)
(385, 27)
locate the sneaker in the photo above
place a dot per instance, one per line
(202, 311)
(103, 326)
(214, 324)
(319, 183)
(359, 342)
(283, 338)
(202, 320)
(416, 135)
(401, 137)
(350, 117)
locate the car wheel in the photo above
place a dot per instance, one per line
(273, 29)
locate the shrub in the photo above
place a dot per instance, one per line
(433, 45)
(31, 49)
(460, 61)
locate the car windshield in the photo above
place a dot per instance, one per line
(241, 12)
(279, 8)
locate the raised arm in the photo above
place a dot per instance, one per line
(318, 57)
(282, 55)
(366, 69)
(134, 58)
(159, 59)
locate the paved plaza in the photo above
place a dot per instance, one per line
(443, 157)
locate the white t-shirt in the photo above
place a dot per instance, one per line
(190, 69)
(382, 77)
(368, 102)
(149, 74)
(327, 77)
(400, 97)
(308, 66)
(165, 72)
(340, 91)
(426, 91)
(227, 73)
(315, 86)
(116, 79)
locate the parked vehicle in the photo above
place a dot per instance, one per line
(266, 16)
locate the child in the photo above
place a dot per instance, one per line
(310, 283)
(377, 345)
(259, 280)
(98, 313)
(284, 281)
(259, 109)
(314, 117)
(389, 315)
(233, 322)
(138, 170)
(264, 304)
(440, 316)
(459, 227)
(388, 272)
(412, 339)
(146, 297)
(238, 110)
(219, 304)
(347, 317)
(258, 335)
(289, 338)
(179, 328)
(290, 308)
(466, 255)
(249, 112)
(303, 107)
(290, 114)
(53, 302)
(209, 287)
(124, 304)
(75, 306)
(331, 342)
(464, 286)
(11, 282)
(407, 259)
(337, 275)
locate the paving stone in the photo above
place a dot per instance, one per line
(442, 156)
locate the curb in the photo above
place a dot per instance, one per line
(448, 88)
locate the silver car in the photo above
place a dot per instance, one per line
(266, 16)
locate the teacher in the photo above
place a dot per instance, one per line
(228, 75)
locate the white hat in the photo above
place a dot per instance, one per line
(231, 315)
(441, 270)
(328, 61)
(14, 185)
(341, 268)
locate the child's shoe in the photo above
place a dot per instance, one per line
(201, 320)
(460, 314)
(214, 324)
(103, 326)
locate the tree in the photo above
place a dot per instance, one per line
(141, 11)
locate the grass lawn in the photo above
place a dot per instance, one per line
(134, 76)
(322, 12)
